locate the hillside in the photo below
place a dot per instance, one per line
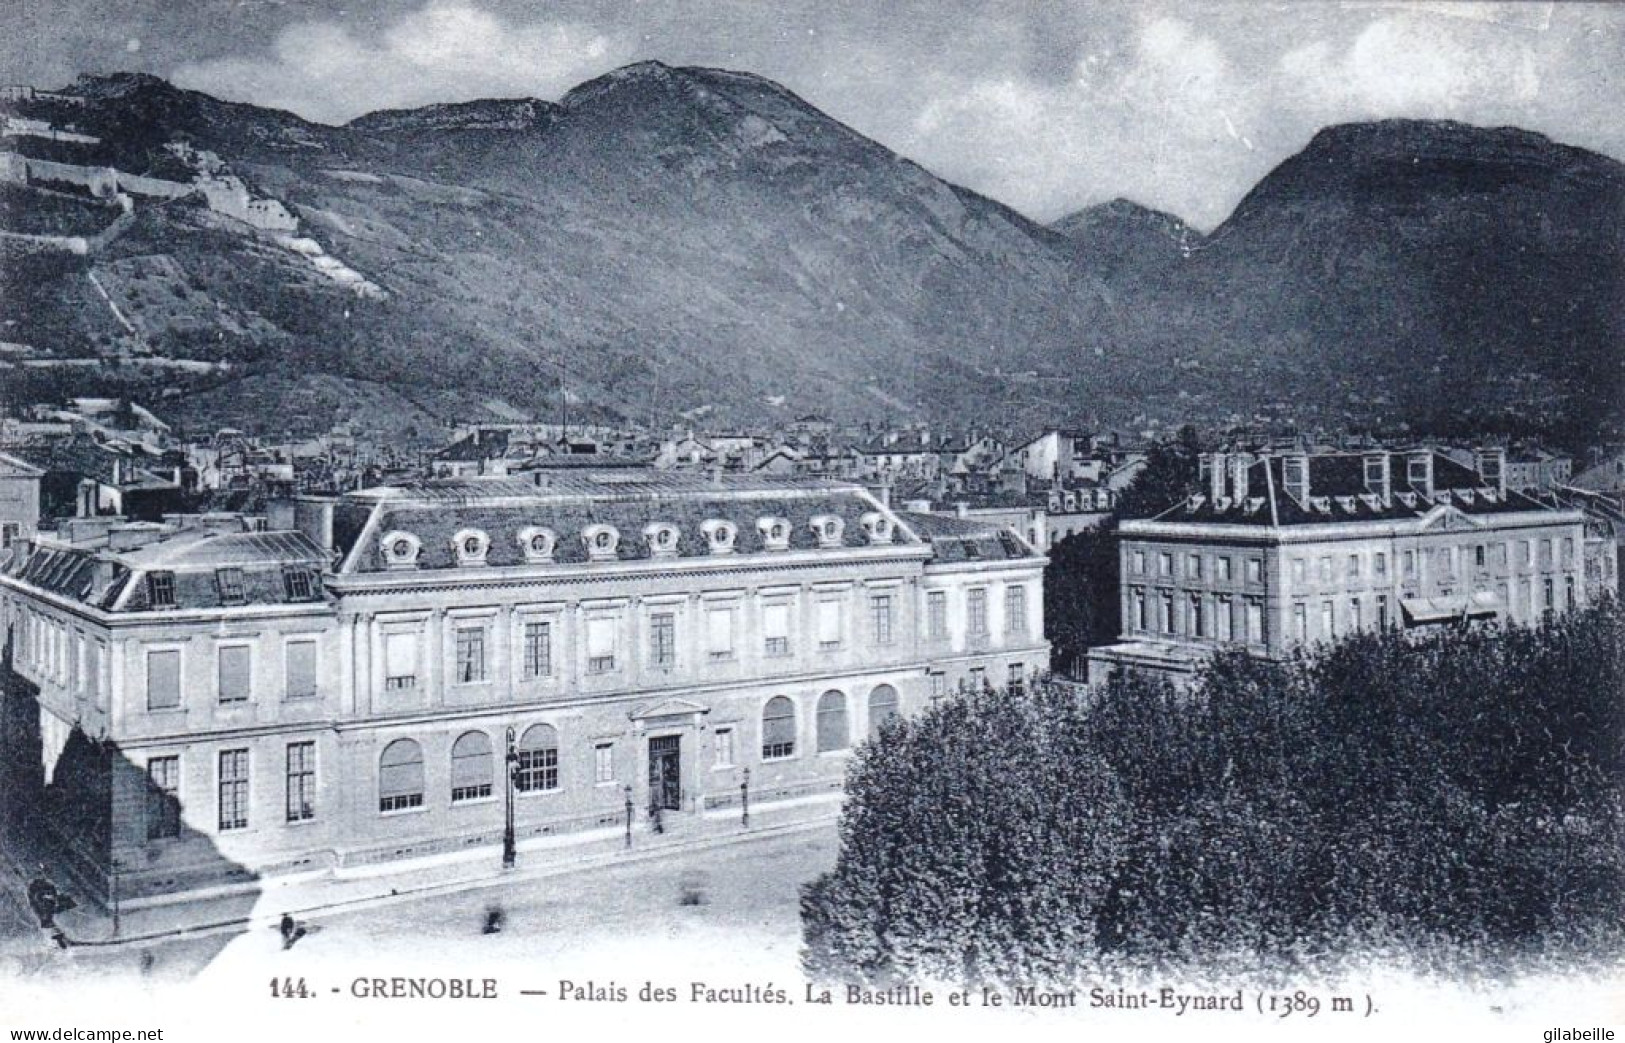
(663, 239)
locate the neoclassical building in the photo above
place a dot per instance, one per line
(360, 680)
(1283, 550)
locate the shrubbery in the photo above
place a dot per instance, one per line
(1456, 798)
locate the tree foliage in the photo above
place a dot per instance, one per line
(1456, 798)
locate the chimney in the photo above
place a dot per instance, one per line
(1378, 480)
(1295, 476)
(961, 509)
(1240, 465)
(313, 516)
(1214, 464)
(1419, 471)
(885, 494)
(1492, 467)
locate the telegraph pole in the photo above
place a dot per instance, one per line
(508, 845)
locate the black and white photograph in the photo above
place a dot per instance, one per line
(1089, 519)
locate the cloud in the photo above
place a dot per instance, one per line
(448, 50)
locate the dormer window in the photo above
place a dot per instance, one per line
(301, 584)
(602, 541)
(161, 589)
(229, 581)
(719, 535)
(662, 539)
(537, 544)
(828, 528)
(471, 546)
(877, 527)
(400, 550)
(775, 533)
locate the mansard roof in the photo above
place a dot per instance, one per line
(568, 503)
(967, 539)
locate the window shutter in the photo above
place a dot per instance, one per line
(829, 622)
(471, 761)
(400, 655)
(600, 638)
(400, 770)
(163, 680)
(778, 722)
(776, 621)
(235, 676)
(720, 626)
(301, 662)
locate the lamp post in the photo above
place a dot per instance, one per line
(628, 814)
(508, 845)
(744, 800)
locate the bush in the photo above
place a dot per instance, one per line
(1456, 796)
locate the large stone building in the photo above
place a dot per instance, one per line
(1287, 549)
(344, 688)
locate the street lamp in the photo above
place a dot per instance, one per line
(744, 800)
(628, 814)
(508, 845)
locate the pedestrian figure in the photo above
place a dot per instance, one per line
(493, 921)
(286, 927)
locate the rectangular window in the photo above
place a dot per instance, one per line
(1354, 566)
(1300, 622)
(233, 789)
(163, 679)
(470, 648)
(1328, 618)
(301, 663)
(301, 781)
(1549, 599)
(1379, 563)
(939, 685)
(301, 584)
(1255, 621)
(1410, 563)
(978, 678)
(1139, 609)
(1198, 624)
(603, 763)
(1545, 554)
(829, 624)
(776, 630)
(1017, 678)
(161, 589)
(976, 611)
(163, 799)
(663, 639)
(1255, 570)
(1165, 564)
(400, 661)
(9, 532)
(1015, 611)
(235, 673)
(1224, 570)
(1382, 611)
(1568, 591)
(724, 748)
(1223, 623)
(1500, 552)
(1480, 559)
(538, 650)
(936, 611)
(1325, 568)
(1139, 562)
(1568, 550)
(1528, 553)
(230, 584)
(600, 645)
(880, 619)
(719, 627)
(1300, 570)
(1193, 566)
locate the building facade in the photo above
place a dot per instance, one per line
(1286, 550)
(361, 683)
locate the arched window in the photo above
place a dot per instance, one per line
(882, 708)
(400, 776)
(778, 728)
(833, 733)
(538, 767)
(471, 767)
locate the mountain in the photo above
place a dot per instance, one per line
(666, 238)
(1441, 274)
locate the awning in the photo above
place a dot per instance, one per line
(1452, 608)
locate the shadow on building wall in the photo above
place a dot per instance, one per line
(97, 827)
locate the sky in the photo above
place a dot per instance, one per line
(1046, 106)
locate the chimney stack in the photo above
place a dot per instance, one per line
(1240, 465)
(1214, 465)
(1295, 476)
(1492, 467)
(1378, 480)
(1419, 471)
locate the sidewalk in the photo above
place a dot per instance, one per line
(347, 890)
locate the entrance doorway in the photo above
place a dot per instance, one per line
(666, 772)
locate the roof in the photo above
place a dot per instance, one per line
(966, 539)
(1338, 493)
(569, 502)
(481, 445)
